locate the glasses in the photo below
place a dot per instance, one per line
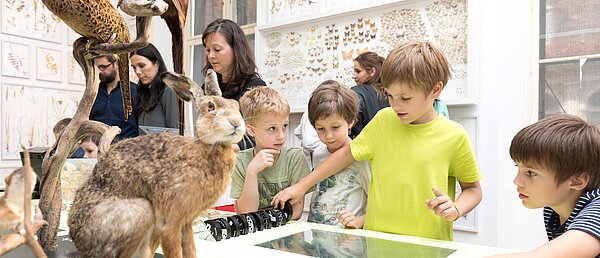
(104, 67)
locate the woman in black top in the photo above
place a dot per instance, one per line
(229, 54)
(371, 96)
(155, 104)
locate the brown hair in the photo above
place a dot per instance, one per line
(564, 144)
(60, 126)
(244, 66)
(332, 98)
(260, 100)
(418, 64)
(149, 96)
(371, 60)
(109, 58)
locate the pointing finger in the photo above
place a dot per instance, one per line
(437, 192)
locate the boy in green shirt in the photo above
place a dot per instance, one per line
(266, 169)
(415, 153)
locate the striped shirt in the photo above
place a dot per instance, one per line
(584, 217)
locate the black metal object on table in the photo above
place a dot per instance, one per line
(236, 225)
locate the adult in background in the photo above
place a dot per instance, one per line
(108, 106)
(229, 54)
(155, 103)
(371, 96)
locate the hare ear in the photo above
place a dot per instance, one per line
(184, 87)
(211, 83)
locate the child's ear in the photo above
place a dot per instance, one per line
(579, 182)
(437, 89)
(250, 130)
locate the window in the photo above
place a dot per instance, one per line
(204, 12)
(569, 65)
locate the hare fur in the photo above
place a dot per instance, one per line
(11, 203)
(147, 190)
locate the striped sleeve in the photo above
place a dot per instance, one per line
(588, 219)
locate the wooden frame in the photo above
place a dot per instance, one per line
(15, 60)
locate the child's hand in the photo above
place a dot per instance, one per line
(347, 219)
(443, 206)
(264, 159)
(293, 194)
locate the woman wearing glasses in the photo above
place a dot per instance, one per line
(155, 103)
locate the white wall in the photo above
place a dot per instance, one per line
(504, 53)
(161, 38)
(507, 102)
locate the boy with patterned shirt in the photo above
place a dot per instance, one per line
(341, 199)
(559, 169)
(415, 153)
(262, 171)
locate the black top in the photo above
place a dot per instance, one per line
(236, 91)
(369, 104)
(108, 109)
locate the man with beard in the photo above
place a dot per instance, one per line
(108, 107)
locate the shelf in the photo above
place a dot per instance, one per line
(361, 7)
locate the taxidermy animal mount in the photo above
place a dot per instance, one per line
(15, 211)
(100, 22)
(147, 190)
(103, 31)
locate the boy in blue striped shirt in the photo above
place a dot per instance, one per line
(559, 169)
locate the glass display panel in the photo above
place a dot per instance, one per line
(250, 39)
(319, 243)
(245, 11)
(571, 87)
(206, 11)
(199, 59)
(569, 28)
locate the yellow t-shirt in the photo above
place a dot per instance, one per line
(406, 162)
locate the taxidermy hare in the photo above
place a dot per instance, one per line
(11, 203)
(147, 190)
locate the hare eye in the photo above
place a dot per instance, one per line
(211, 106)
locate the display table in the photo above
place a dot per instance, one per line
(303, 239)
(313, 239)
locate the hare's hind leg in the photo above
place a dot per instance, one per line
(115, 228)
(171, 241)
(187, 241)
(144, 250)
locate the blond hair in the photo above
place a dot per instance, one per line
(420, 65)
(260, 100)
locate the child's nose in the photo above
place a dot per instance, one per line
(329, 135)
(517, 181)
(280, 134)
(393, 103)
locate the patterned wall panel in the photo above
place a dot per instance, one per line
(29, 113)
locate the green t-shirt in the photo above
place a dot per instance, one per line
(288, 170)
(406, 162)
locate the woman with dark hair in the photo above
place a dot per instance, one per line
(371, 96)
(155, 103)
(229, 54)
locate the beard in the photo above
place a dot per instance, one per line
(105, 79)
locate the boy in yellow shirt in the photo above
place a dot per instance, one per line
(415, 153)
